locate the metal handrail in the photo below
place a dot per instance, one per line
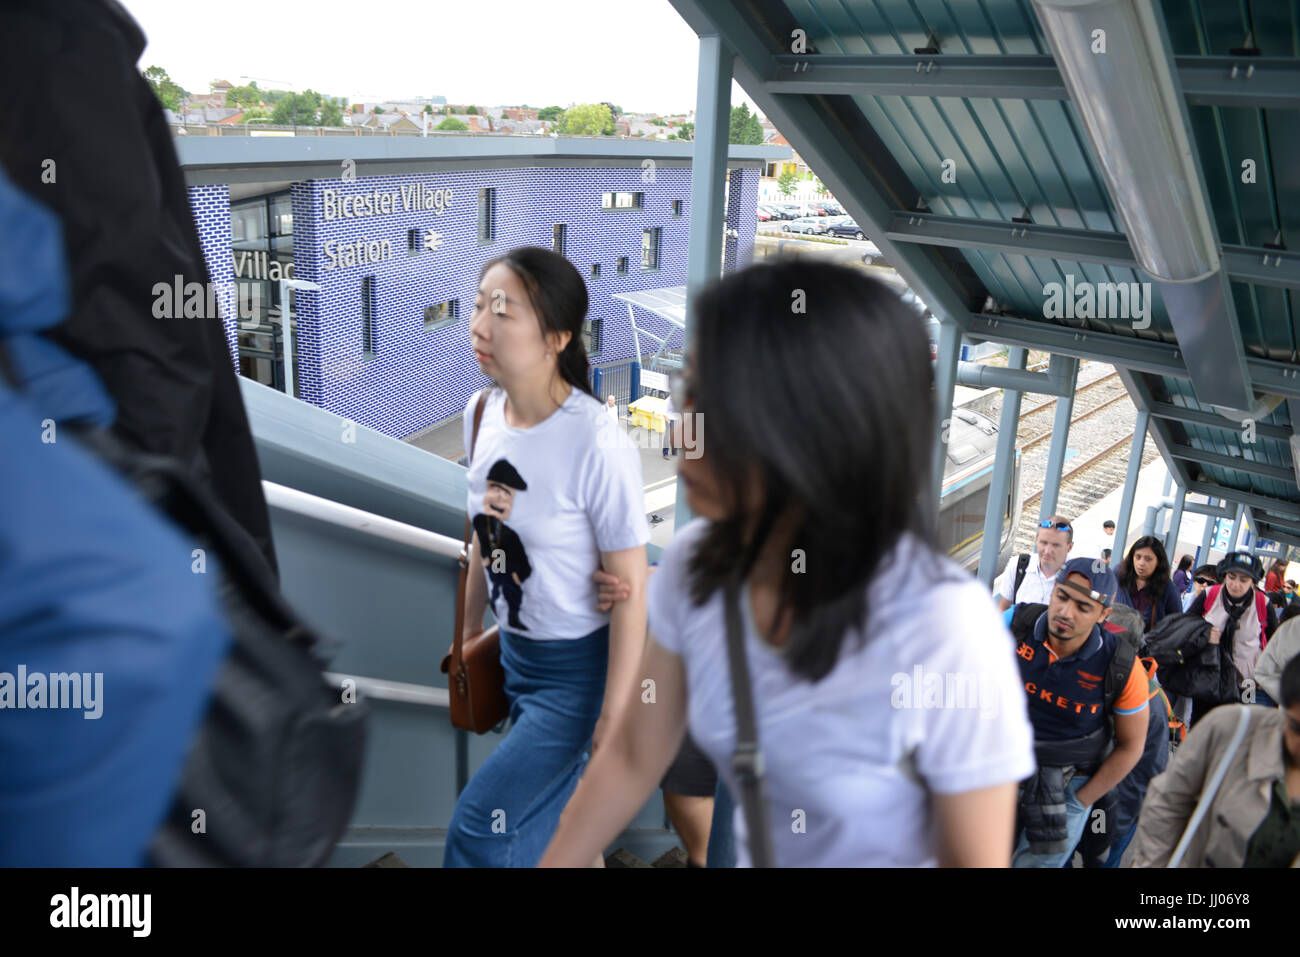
(368, 523)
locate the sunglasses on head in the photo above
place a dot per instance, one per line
(1062, 526)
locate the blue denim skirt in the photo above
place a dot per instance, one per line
(507, 814)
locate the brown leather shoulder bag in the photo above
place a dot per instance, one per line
(476, 681)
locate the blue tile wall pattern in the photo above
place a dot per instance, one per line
(211, 207)
(415, 377)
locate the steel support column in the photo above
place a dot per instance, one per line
(945, 381)
(1211, 526)
(1130, 487)
(1060, 439)
(1175, 523)
(1237, 523)
(708, 171)
(1000, 483)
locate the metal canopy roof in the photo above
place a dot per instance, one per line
(875, 113)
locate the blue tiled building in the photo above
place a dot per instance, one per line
(397, 232)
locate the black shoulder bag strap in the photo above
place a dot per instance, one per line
(747, 761)
(1022, 566)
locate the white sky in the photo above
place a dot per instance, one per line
(637, 54)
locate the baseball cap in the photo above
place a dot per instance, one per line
(1102, 579)
(1243, 562)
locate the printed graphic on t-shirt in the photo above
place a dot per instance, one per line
(500, 549)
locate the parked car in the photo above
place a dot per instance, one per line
(807, 224)
(847, 229)
(763, 215)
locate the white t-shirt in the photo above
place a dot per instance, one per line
(845, 758)
(1035, 589)
(584, 496)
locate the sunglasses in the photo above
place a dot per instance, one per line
(1206, 581)
(1061, 526)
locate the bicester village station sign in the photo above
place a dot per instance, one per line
(340, 255)
(413, 198)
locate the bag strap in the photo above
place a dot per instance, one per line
(1022, 567)
(1211, 789)
(747, 761)
(457, 640)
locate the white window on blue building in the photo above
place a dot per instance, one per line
(559, 236)
(591, 337)
(368, 316)
(622, 200)
(441, 315)
(487, 215)
(650, 248)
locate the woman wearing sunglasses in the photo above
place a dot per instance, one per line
(815, 507)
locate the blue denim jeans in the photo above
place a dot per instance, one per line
(1076, 817)
(508, 812)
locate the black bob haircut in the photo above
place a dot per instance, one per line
(1290, 683)
(816, 385)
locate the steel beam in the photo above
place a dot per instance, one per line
(1259, 82)
(1175, 524)
(1130, 486)
(1176, 413)
(1060, 438)
(708, 172)
(1000, 483)
(977, 375)
(1237, 523)
(1261, 469)
(1128, 352)
(818, 133)
(945, 379)
(1207, 540)
(1252, 264)
(1264, 503)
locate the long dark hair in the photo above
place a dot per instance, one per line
(814, 379)
(1185, 563)
(558, 295)
(1159, 580)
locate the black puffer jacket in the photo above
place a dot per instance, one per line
(1188, 664)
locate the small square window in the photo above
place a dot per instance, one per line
(441, 315)
(595, 270)
(677, 207)
(413, 243)
(622, 265)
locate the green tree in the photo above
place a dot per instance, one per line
(253, 113)
(786, 182)
(471, 111)
(169, 93)
(427, 109)
(451, 123)
(685, 131)
(378, 110)
(550, 113)
(331, 114)
(297, 109)
(587, 119)
(745, 128)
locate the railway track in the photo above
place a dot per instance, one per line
(1094, 394)
(1044, 436)
(1083, 485)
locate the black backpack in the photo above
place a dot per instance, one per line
(276, 764)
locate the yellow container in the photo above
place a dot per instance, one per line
(648, 413)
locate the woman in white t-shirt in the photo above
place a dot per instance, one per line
(895, 743)
(554, 493)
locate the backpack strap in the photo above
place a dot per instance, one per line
(1261, 612)
(1121, 666)
(1022, 566)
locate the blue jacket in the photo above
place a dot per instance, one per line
(93, 583)
(1167, 604)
